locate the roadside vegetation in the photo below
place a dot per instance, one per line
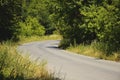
(13, 66)
(96, 50)
(24, 39)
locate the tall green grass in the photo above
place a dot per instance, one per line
(97, 50)
(13, 66)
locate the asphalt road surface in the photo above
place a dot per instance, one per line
(70, 66)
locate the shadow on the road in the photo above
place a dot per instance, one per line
(53, 47)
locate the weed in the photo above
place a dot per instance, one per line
(13, 66)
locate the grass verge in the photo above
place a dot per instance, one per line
(90, 50)
(13, 66)
(37, 38)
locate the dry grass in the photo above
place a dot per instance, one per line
(13, 66)
(39, 38)
(89, 50)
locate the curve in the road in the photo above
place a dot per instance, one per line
(70, 65)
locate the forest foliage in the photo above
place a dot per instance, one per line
(23, 18)
(87, 21)
(78, 21)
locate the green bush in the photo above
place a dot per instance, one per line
(30, 27)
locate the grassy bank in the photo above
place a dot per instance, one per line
(37, 38)
(94, 51)
(13, 66)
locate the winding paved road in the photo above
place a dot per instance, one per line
(70, 66)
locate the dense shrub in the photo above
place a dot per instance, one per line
(31, 27)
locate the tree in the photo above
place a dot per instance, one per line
(70, 21)
(103, 19)
(39, 10)
(10, 14)
(88, 20)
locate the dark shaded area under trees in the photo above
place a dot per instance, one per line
(10, 12)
